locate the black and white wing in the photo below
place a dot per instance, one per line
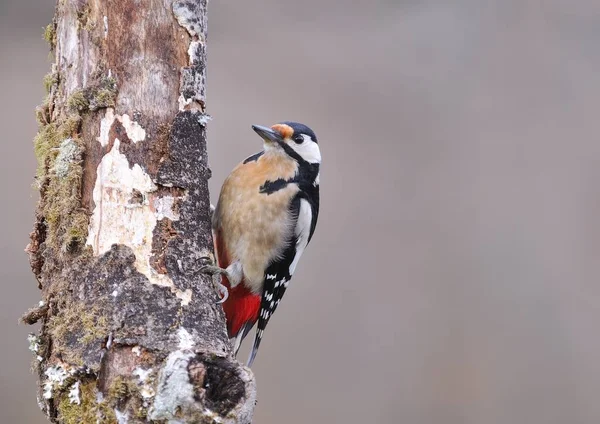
(304, 208)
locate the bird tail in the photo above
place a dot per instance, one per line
(241, 335)
(237, 342)
(257, 339)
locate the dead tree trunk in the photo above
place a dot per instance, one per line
(130, 330)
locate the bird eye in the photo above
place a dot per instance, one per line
(298, 139)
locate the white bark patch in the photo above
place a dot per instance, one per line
(33, 340)
(186, 17)
(69, 53)
(74, 394)
(105, 27)
(105, 125)
(186, 340)
(146, 389)
(192, 17)
(185, 296)
(142, 374)
(134, 131)
(164, 208)
(183, 102)
(122, 417)
(203, 120)
(118, 217)
(56, 376)
(192, 49)
(244, 414)
(175, 392)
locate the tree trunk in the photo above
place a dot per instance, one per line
(131, 332)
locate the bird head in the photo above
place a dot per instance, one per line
(296, 140)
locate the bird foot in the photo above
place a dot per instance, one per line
(215, 272)
(222, 290)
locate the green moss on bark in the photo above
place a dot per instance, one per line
(50, 80)
(78, 102)
(77, 321)
(50, 34)
(126, 389)
(47, 141)
(98, 96)
(65, 220)
(122, 395)
(88, 410)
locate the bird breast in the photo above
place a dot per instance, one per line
(257, 227)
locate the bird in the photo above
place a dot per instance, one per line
(265, 217)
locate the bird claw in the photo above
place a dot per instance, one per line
(223, 291)
(205, 261)
(212, 270)
(215, 272)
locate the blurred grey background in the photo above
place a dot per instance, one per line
(453, 277)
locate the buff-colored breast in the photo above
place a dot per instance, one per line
(255, 226)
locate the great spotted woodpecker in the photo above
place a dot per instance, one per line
(264, 219)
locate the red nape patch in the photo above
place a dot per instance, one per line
(241, 307)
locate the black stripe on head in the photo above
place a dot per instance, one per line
(301, 129)
(292, 153)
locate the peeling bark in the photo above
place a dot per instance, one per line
(131, 332)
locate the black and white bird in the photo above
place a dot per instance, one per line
(264, 219)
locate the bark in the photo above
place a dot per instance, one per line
(131, 332)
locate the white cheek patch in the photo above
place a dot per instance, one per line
(309, 150)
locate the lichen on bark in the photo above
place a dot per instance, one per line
(131, 331)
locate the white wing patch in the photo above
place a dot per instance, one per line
(302, 232)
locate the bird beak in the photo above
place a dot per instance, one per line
(268, 134)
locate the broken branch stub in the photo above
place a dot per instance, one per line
(131, 331)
